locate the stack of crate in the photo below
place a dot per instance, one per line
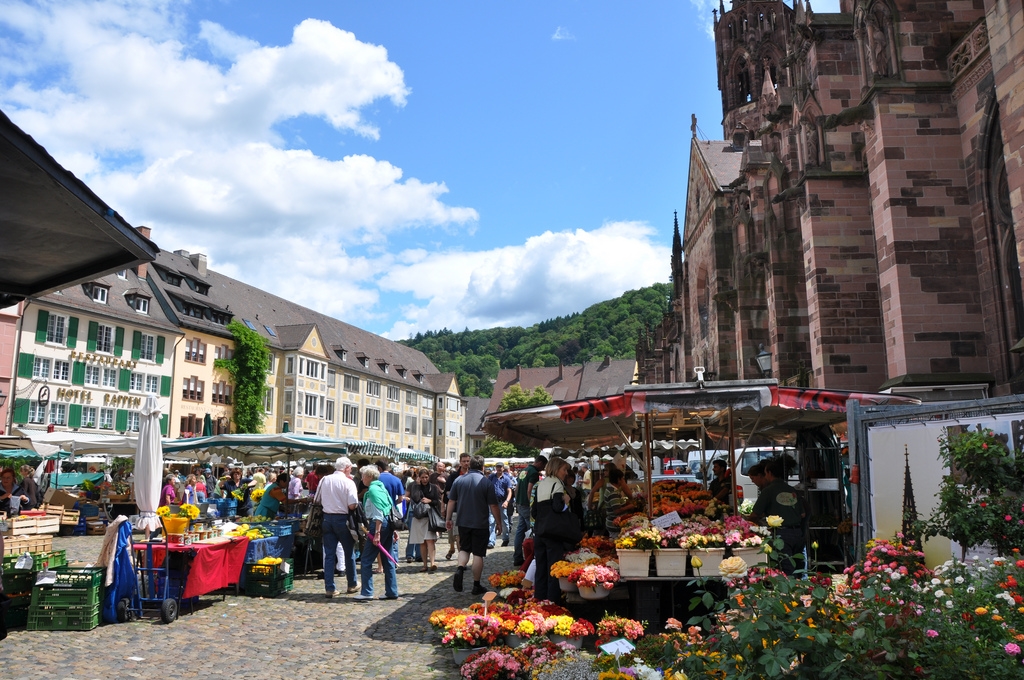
(18, 583)
(72, 603)
(269, 580)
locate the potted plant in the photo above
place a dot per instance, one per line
(595, 581)
(497, 663)
(561, 570)
(634, 549)
(469, 633)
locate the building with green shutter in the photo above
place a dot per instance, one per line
(86, 356)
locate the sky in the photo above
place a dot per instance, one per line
(402, 165)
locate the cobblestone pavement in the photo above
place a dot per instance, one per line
(298, 635)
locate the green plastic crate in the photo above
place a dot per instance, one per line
(16, 617)
(80, 577)
(258, 588)
(63, 618)
(18, 581)
(53, 559)
(268, 572)
(50, 596)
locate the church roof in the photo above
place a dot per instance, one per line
(723, 160)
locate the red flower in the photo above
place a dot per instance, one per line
(984, 504)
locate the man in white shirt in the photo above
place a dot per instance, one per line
(337, 494)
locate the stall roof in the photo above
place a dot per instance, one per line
(81, 442)
(253, 448)
(42, 204)
(760, 406)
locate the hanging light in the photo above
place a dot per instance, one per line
(764, 360)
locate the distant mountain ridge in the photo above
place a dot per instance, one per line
(608, 328)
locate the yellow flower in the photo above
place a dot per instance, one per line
(734, 567)
(981, 611)
(814, 545)
(767, 549)
(774, 521)
(696, 562)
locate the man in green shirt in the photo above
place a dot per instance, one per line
(524, 491)
(780, 499)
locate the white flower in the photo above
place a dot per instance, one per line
(995, 611)
(958, 580)
(949, 604)
(936, 581)
(982, 569)
(940, 593)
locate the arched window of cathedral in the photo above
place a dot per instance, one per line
(703, 302)
(732, 31)
(741, 78)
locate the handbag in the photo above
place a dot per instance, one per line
(435, 522)
(556, 526)
(420, 510)
(397, 520)
(357, 526)
(315, 520)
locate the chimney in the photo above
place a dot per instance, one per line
(143, 268)
(559, 369)
(199, 262)
(519, 373)
(607, 361)
(183, 253)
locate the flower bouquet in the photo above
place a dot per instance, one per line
(509, 579)
(472, 630)
(256, 494)
(647, 538)
(611, 627)
(498, 663)
(562, 569)
(595, 576)
(582, 556)
(440, 619)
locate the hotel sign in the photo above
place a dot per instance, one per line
(103, 359)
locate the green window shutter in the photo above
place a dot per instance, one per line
(94, 330)
(136, 345)
(41, 321)
(72, 332)
(121, 420)
(75, 415)
(118, 341)
(165, 386)
(78, 373)
(124, 380)
(21, 410)
(160, 347)
(164, 422)
(25, 363)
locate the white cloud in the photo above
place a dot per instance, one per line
(223, 43)
(552, 274)
(562, 34)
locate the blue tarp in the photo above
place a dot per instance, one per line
(124, 583)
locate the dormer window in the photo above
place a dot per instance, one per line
(383, 365)
(418, 376)
(402, 372)
(169, 277)
(98, 293)
(123, 274)
(364, 360)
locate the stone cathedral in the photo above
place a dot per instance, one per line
(861, 220)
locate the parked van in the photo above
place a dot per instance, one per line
(746, 459)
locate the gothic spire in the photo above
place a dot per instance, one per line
(910, 515)
(677, 241)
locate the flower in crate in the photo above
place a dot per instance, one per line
(594, 576)
(497, 663)
(733, 567)
(542, 651)
(647, 538)
(509, 579)
(471, 630)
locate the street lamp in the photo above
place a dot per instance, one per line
(764, 360)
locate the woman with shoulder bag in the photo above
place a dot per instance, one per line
(422, 497)
(556, 527)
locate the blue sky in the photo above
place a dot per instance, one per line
(404, 166)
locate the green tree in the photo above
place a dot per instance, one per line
(248, 369)
(497, 448)
(517, 397)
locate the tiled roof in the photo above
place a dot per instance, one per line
(439, 382)
(567, 383)
(116, 306)
(722, 159)
(263, 310)
(476, 409)
(292, 337)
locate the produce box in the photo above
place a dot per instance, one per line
(47, 525)
(16, 617)
(62, 498)
(80, 577)
(53, 509)
(271, 588)
(70, 517)
(269, 572)
(53, 596)
(32, 544)
(22, 525)
(63, 618)
(18, 581)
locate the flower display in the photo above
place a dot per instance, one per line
(562, 569)
(647, 538)
(525, 628)
(256, 495)
(509, 579)
(473, 630)
(581, 628)
(188, 510)
(886, 558)
(595, 576)
(163, 511)
(441, 618)
(497, 663)
(601, 545)
(611, 627)
(560, 625)
(733, 567)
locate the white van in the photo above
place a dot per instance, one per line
(746, 459)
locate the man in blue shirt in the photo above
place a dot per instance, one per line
(397, 491)
(503, 486)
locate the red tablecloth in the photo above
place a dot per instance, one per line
(214, 566)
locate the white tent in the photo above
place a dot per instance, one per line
(149, 466)
(83, 442)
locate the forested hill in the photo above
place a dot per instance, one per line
(608, 328)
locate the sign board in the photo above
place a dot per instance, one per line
(618, 647)
(665, 521)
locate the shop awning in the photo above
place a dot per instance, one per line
(255, 448)
(55, 231)
(81, 442)
(413, 456)
(686, 407)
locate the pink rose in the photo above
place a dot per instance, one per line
(932, 633)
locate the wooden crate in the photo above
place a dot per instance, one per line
(20, 526)
(70, 517)
(53, 510)
(47, 525)
(32, 544)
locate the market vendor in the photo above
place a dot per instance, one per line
(721, 486)
(29, 488)
(273, 496)
(168, 496)
(616, 499)
(9, 489)
(781, 500)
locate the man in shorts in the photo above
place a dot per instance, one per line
(472, 494)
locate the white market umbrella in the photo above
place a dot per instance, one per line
(149, 466)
